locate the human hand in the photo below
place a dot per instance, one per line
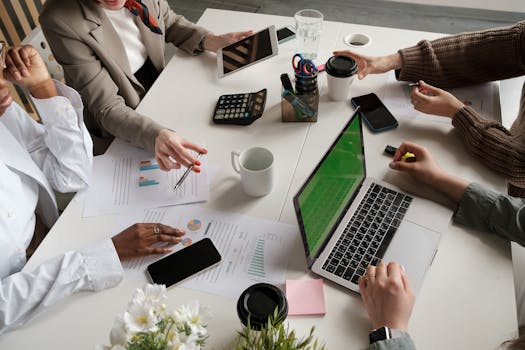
(169, 145)
(138, 239)
(426, 170)
(372, 64)
(432, 100)
(25, 67)
(387, 296)
(214, 42)
(5, 97)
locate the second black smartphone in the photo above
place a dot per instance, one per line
(184, 263)
(374, 112)
(284, 34)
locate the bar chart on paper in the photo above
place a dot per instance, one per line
(138, 183)
(252, 250)
(256, 266)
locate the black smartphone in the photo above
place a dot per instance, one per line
(284, 34)
(184, 263)
(374, 112)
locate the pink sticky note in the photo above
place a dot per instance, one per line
(305, 297)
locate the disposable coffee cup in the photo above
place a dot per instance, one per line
(340, 71)
(259, 302)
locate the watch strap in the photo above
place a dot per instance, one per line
(381, 333)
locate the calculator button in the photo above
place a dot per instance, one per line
(218, 116)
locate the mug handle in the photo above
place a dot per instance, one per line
(235, 161)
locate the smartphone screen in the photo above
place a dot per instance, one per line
(284, 34)
(374, 112)
(184, 263)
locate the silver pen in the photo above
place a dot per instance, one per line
(186, 173)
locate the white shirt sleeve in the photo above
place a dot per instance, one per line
(25, 294)
(61, 145)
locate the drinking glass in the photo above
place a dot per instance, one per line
(308, 25)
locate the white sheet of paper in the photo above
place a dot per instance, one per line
(252, 250)
(128, 178)
(396, 97)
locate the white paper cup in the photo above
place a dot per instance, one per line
(340, 73)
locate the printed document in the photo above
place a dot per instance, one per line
(396, 97)
(128, 178)
(252, 250)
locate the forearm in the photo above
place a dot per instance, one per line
(67, 158)
(46, 89)
(402, 343)
(497, 213)
(182, 33)
(466, 58)
(452, 187)
(490, 142)
(25, 294)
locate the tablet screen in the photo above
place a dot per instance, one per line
(247, 51)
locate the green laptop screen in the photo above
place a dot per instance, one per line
(332, 184)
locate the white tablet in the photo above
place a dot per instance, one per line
(248, 51)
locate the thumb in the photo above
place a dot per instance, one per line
(426, 87)
(401, 166)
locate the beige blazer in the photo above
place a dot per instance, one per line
(95, 63)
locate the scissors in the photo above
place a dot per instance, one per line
(303, 66)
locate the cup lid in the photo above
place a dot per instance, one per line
(341, 66)
(258, 302)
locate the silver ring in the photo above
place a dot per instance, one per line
(156, 230)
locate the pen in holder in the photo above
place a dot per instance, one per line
(301, 106)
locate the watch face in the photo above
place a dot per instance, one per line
(382, 333)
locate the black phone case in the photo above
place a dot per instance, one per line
(184, 263)
(373, 128)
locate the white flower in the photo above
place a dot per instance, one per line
(118, 334)
(190, 315)
(140, 318)
(153, 295)
(184, 329)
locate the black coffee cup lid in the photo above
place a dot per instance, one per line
(341, 66)
(258, 302)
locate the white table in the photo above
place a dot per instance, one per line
(467, 299)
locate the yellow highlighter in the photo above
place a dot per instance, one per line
(408, 157)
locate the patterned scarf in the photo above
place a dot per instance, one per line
(139, 9)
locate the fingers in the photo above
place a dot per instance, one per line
(411, 147)
(241, 35)
(394, 271)
(15, 63)
(5, 97)
(381, 272)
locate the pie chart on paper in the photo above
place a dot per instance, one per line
(194, 225)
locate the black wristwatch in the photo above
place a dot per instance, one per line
(381, 333)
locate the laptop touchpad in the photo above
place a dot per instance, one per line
(414, 247)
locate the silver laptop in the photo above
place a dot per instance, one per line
(349, 221)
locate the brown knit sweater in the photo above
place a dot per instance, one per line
(472, 58)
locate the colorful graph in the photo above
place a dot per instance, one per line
(144, 181)
(194, 225)
(256, 267)
(186, 241)
(148, 165)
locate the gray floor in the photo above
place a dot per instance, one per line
(372, 12)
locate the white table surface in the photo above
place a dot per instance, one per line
(467, 298)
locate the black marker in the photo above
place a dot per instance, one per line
(287, 83)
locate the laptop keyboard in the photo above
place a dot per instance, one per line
(368, 233)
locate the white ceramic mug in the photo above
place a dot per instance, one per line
(255, 165)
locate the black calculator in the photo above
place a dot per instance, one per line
(240, 109)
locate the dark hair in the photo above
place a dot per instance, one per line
(518, 343)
